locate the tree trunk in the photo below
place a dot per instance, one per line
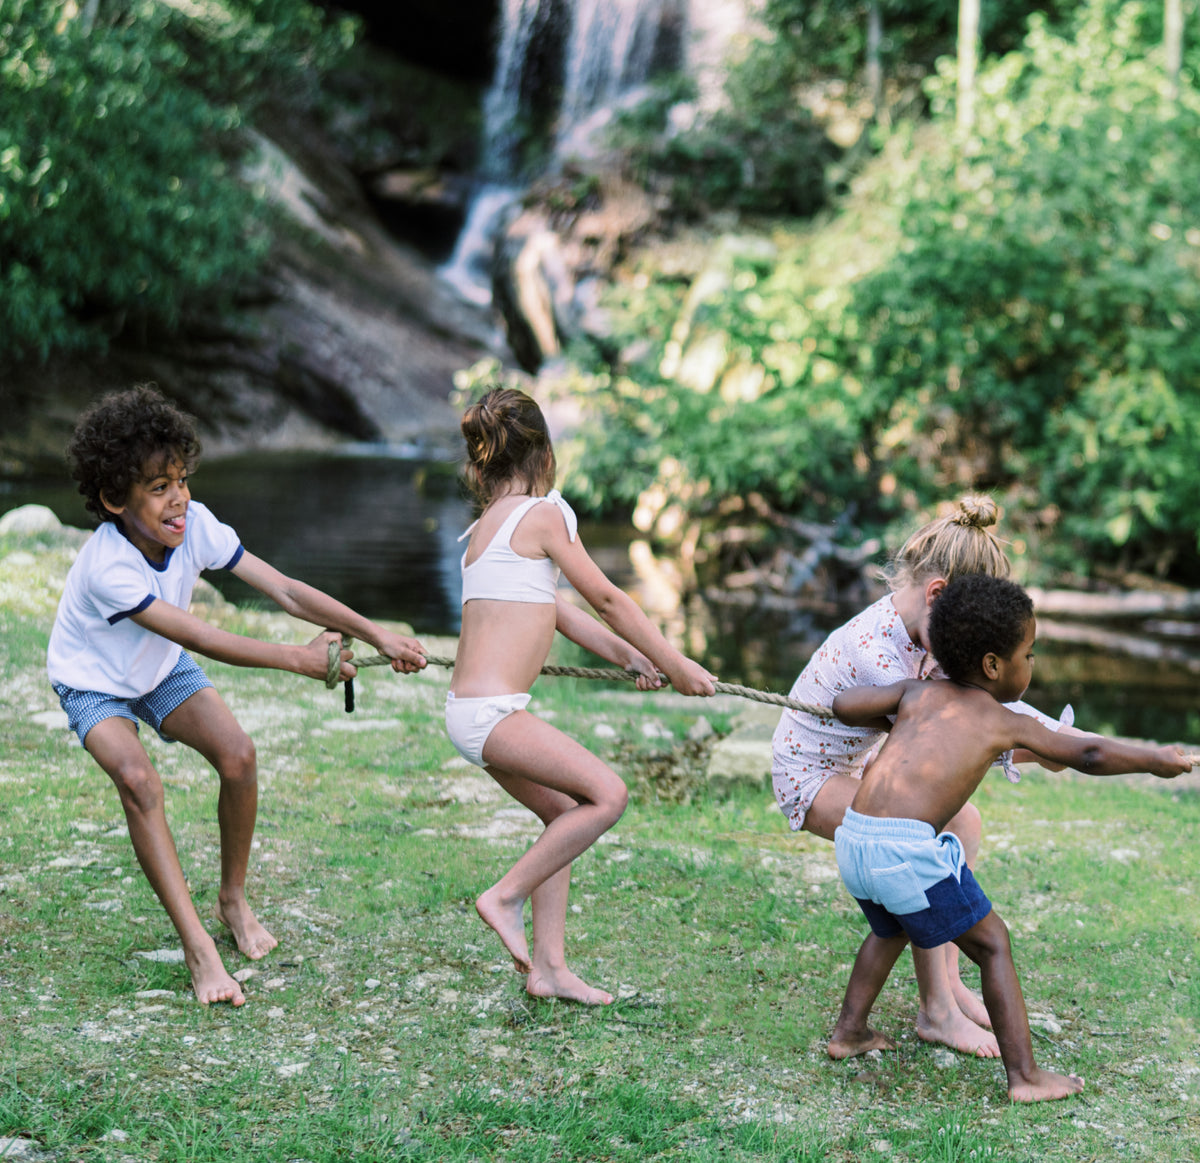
(968, 44)
(874, 61)
(1173, 44)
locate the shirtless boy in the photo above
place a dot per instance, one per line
(908, 874)
(119, 653)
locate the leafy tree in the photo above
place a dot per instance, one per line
(119, 146)
(1036, 325)
(1030, 332)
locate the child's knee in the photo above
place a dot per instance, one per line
(616, 800)
(987, 940)
(238, 761)
(139, 786)
(967, 824)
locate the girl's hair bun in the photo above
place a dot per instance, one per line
(976, 510)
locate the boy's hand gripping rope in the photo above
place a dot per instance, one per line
(611, 675)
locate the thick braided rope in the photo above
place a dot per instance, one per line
(610, 675)
(607, 675)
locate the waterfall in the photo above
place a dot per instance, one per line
(611, 50)
(502, 105)
(608, 49)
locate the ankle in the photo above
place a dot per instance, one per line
(232, 896)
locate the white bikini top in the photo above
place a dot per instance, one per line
(501, 573)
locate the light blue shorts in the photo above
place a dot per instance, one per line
(469, 722)
(907, 879)
(87, 708)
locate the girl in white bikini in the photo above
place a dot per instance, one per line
(817, 762)
(511, 608)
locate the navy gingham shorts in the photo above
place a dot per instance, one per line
(87, 708)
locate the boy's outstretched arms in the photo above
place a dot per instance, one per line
(200, 637)
(304, 601)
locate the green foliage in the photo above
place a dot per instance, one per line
(811, 39)
(762, 153)
(119, 195)
(1029, 330)
(1036, 325)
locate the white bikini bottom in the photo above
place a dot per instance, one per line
(469, 722)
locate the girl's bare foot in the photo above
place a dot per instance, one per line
(1045, 1086)
(850, 1043)
(958, 1032)
(508, 921)
(210, 980)
(562, 983)
(970, 1003)
(252, 938)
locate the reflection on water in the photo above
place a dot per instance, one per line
(380, 534)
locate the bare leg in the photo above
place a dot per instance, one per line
(523, 754)
(968, 827)
(939, 1016)
(206, 724)
(987, 944)
(550, 976)
(874, 962)
(115, 746)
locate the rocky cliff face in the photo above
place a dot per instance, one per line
(349, 335)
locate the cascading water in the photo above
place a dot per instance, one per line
(609, 49)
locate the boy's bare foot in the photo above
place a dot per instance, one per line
(970, 1003)
(958, 1032)
(562, 983)
(210, 980)
(854, 1042)
(1045, 1086)
(509, 925)
(252, 938)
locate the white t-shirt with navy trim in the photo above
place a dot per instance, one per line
(95, 644)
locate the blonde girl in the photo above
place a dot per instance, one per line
(818, 762)
(525, 535)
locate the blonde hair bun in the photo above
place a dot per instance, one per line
(958, 543)
(976, 511)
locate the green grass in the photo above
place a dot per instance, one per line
(388, 1025)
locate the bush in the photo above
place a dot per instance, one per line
(1030, 331)
(119, 145)
(1036, 324)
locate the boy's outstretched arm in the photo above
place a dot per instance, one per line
(201, 637)
(313, 605)
(1098, 754)
(870, 706)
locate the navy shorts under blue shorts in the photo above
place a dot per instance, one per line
(908, 880)
(87, 708)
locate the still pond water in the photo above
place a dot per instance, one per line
(380, 533)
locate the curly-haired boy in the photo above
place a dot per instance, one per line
(119, 653)
(908, 874)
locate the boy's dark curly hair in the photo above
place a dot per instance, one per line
(120, 436)
(977, 614)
